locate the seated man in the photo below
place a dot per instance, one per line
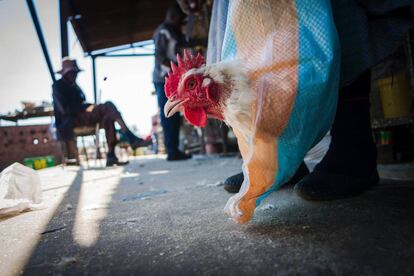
(72, 111)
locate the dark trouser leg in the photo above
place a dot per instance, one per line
(114, 114)
(110, 133)
(349, 167)
(72, 150)
(170, 126)
(108, 114)
(104, 114)
(352, 150)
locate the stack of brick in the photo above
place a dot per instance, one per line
(20, 142)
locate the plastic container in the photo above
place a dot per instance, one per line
(395, 98)
(40, 162)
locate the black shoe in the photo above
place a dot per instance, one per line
(113, 161)
(349, 166)
(328, 186)
(178, 156)
(138, 142)
(233, 183)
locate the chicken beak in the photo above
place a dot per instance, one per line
(172, 106)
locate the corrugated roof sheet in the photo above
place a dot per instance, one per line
(101, 24)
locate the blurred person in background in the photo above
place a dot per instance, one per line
(168, 40)
(72, 110)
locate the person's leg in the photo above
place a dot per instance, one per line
(110, 111)
(349, 166)
(108, 124)
(72, 152)
(104, 115)
(108, 115)
(170, 126)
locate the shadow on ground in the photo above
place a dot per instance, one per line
(167, 218)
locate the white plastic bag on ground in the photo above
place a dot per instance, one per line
(20, 190)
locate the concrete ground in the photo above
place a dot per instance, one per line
(154, 217)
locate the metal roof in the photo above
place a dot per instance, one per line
(101, 24)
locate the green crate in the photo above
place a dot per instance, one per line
(40, 162)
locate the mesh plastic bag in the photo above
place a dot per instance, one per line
(290, 49)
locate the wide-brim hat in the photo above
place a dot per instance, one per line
(68, 65)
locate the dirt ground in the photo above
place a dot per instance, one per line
(154, 217)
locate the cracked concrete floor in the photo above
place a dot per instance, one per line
(166, 218)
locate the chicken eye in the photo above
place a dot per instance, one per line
(191, 84)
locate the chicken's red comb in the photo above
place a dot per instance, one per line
(189, 62)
